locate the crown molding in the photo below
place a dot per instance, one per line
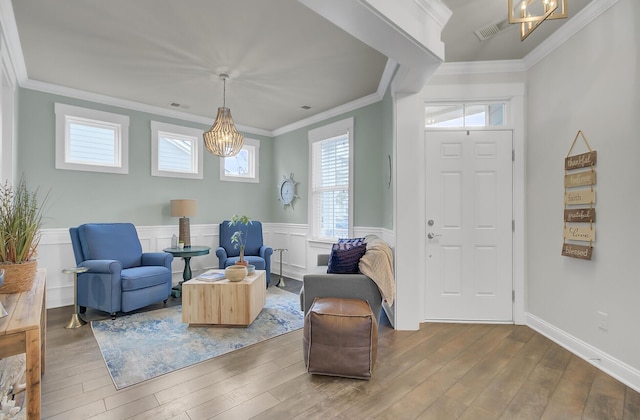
(350, 106)
(434, 7)
(12, 41)
(475, 67)
(559, 37)
(385, 80)
(566, 31)
(437, 10)
(132, 105)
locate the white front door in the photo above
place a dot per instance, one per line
(469, 224)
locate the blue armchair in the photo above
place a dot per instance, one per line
(255, 252)
(121, 277)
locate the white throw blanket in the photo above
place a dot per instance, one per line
(377, 264)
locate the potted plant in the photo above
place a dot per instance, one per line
(20, 223)
(239, 238)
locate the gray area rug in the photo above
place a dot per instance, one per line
(145, 345)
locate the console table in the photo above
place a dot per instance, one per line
(23, 330)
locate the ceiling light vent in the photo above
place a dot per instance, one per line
(489, 31)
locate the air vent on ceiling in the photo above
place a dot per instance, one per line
(177, 105)
(491, 30)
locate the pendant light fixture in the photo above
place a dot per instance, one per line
(223, 139)
(531, 13)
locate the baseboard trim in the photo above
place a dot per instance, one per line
(626, 374)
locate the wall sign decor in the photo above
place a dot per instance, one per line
(580, 215)
(579, 220)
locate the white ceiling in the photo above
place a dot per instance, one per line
(280, 54)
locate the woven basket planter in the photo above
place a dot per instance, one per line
(18, 277)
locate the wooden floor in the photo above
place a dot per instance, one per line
(442, 371)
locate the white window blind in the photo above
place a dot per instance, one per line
(330, 188)
(91, 140)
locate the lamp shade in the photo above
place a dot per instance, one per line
(184, 208)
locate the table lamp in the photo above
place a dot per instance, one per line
(183, 209)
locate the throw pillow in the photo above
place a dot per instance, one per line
(347, 243)
(345, 261)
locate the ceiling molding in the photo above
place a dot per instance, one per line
(10, 31)
(387, 76)
(358, 103)
(566, 31)
(131, 105)
(475, 67)
(437, 10)
(401, 30)
(562, 34)
(385, 80)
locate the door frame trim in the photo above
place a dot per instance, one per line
(514, 95)
(513, 236)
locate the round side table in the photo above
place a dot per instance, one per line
(75, 321)
(186, 253)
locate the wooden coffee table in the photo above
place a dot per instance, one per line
(224, 302)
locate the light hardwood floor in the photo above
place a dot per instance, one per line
(442, 371)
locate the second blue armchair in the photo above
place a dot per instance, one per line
(255, 252)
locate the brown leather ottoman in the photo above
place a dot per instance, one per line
(340, 338)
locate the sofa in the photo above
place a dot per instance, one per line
(351, 286)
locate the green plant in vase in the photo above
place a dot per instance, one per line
(239, 237)
(20, 224)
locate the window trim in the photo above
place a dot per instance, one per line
(65, 112)
(464, 105)
(158, 127)
(253, 146)
(315, 135)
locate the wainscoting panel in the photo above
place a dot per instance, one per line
(55, 252)
(293, 238)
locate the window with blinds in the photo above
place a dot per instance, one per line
(176, 151)
(331, 192)
(91, 140)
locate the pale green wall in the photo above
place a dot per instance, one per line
(291, 154)
(78, 197)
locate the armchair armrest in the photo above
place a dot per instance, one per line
(266, 251)
(157, 258)
(221, 253)
(102, 266)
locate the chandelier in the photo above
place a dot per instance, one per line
(223, 139)
(531, 13)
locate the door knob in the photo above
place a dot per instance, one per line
(432, 235)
